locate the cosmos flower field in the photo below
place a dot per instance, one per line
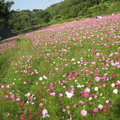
(67, 72)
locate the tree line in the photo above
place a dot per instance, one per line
(20, 20)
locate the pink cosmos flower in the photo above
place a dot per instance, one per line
(30, 118)
(60, 95)
(22, 118)
(107, 101)
(93, 114)
(30, 100)
(97, 78)
(8, 86)
(17, 99)
(28, 71)
(76, 74)
(95, 56)
(105, 110)
(95, 96)
(109, 105)
(71, 73)
(81, 102)
(118, 66)
(21, 104)
(12, 96)
(63, 110)
(56, 53)
(42, 99)
(66, 64)
(52, 94)
(74, 105)
(93, 63)
(85, 62)
(95, 109)
(97, 71)
(90, 83)
(91, 103)
(114, 75)
(116, 83)
(67, 107)
(87, 89)
(27, 95)
(68, 112)
(44, 112)
(83, 112)
(57, 64)
(36, 83)
(51, 86)
(2, 86)
(81, 70)
(69, 76)
(41, 104)
(24, 83)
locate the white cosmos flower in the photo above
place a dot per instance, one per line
(75, 80)
(113, 85)
(115, 91)
(73, 59)
(69, 94)
(100, 107)
(80, 86)
(40, 78)
(63, 75)
(44, 77)
(27, 102)
(107, 101)
(46, 115)
(96, 88)
(90, 98)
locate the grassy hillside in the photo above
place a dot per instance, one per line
(67, 72)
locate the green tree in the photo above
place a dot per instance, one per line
(5, 12)
(44, 16)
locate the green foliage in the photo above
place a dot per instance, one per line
(115, 7)
(25, 20)
(22, 20)
(5, 12)
(98, 9)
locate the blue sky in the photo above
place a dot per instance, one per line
(32, 4)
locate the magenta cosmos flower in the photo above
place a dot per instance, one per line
(85, 94)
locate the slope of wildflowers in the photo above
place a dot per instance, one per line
(69, 72)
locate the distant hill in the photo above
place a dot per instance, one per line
(26, 20)
(82, 8)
